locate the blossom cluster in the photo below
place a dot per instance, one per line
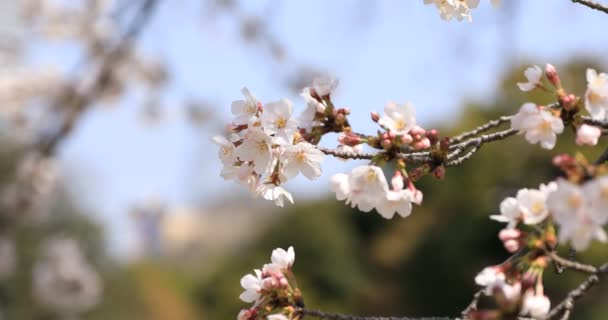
(366, 188)
(63, 281)
(265, 148)
(458, 9)
(576, 205)
(542, 124)
(272, 290)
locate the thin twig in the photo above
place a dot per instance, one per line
(592, 5)
(569, 264)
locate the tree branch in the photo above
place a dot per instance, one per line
(338, 316)
(592, 5)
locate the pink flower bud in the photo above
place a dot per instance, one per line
(392, 135)
(417, 130)
(552, 75)
(406, 139)
(433, 136)
(588, 135)
(511, 245)
(375, 116)
(509, 234)
(387, 143)
(349, 139)
(439, 172)
(260, 107)
(422, 144)
(563, 160)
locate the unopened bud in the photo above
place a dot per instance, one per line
(375, 116)
(433, 136)
(349, 139)
(511, 245)
(439, 172)
(417, 130)
(509, 234)
(444, 144)
(406, 139)
(552, 75)
(260, 107)
(422, 144)
(387, 144)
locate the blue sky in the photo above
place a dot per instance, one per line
(390, 50)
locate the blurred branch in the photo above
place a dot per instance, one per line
(592, 5)
(75, 102)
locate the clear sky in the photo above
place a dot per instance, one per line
(382, 50)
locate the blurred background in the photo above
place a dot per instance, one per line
(106, 112)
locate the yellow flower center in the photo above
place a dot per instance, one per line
(281, 122)
(537, 208)
(575, 201)
(301, 157)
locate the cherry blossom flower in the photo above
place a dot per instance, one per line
(302, 157)
(62, 279)
(529, 206)
(270, 191)
(248, 314)
(538, 125)
(246, 109)
(398, 118)
(283, 259)
(277, 120)
(361, 188)
(324, 85)
(489, 276)
(533, 74)
(396, 200)
(596, 192)
(572, 210)
(277, 317)
(588, 135)
(536, 305)
(256, 147)
(226, 152)
(252, 283)
(596, 96)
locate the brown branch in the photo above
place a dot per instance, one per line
(592, 5)
(483, 128)
(76, 103)
(569, 264)
(594, 122)
(338, 316)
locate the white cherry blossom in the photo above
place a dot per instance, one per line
(397, 200)
(252, 283)
(596, 96)
(596, 192)
(536, 305)
(246, 109)
(529, 206)
(283, 259)
(256, 147)
(398, 118)
(270, 191)
(277, 119)
(587, 135)
(277, 317)
(324, 85)
(226, 152)
(572, 208)
(533, 74)
(302, 157)
(538, 125)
